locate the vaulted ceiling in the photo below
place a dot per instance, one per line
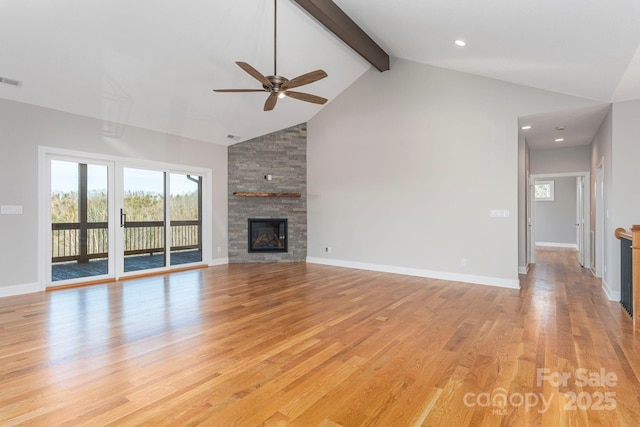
(154, 64)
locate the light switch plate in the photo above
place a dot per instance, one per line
(10, 210)
(499, 213)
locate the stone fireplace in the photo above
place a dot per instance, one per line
(268, 180)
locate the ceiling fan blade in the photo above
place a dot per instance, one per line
(306, 97)
(239, 90)
(304, 79)
(254, 73)
(271, 102)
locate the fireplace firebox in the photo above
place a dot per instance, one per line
(267, 235)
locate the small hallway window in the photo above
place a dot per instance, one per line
(543, 190)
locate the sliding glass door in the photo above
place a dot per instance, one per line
(79, 211)
(110, 219)
(143, 219)
(185, 206)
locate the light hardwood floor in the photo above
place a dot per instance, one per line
(312, 345)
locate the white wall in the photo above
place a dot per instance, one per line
(561, 160)
(556, 219)
(601, 152)
(624, 208)
(405, 166)
(25, 127)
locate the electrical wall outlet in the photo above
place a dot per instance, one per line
(327, 249)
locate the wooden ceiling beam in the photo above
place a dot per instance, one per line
(335, 20)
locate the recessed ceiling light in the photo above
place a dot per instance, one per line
(527, 127)
(460, 43)
(561, 127)
(559, 139)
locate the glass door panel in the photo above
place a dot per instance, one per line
(142, 218)
(79, 220)
(185, 207)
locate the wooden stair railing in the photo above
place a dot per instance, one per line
(634, 237)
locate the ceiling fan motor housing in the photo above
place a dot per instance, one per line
(276, 81)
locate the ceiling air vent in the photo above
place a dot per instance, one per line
(233, 137)
(10, 82)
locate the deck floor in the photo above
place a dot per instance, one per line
(76, 270)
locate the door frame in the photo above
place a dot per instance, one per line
(586, 204)
(531, 219)
(598, 232)
(581, 235)
(44, 224)
(120, 230)
(44, 207)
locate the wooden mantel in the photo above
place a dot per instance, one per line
(259, 194)
(634, 236)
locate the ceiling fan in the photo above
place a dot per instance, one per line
(277, 86)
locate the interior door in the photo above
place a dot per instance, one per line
(142, 220)
(580, 218)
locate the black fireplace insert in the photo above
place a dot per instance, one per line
(267, 235)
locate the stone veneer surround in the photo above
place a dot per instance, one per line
(283, 155)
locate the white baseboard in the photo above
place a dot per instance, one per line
(218, 261)
(611, 294)
(558, 245)
(7, 291)
(456, 277)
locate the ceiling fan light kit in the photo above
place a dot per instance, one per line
(277, 86)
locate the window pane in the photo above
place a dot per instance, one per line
(186, 226)
(79, 229)
(543, 190)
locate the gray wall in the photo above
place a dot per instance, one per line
(25, 127)
(561, 160)
(623, 209)
(556, 219)
(405, 166)
(601, 155)
(283, 155)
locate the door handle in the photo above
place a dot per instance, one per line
(123, 218)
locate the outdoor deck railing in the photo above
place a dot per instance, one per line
(140, 237)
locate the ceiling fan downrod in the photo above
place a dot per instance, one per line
(275, 35)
